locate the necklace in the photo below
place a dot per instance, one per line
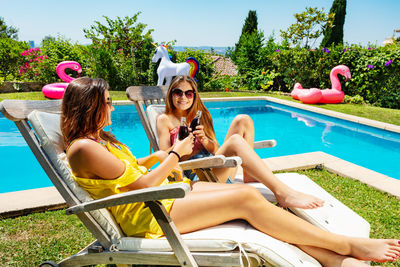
(104, 143)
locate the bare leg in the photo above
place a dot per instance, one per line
(331, 259)
(210, 204)
(256, 167)
(243, 125)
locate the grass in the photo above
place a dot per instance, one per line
(35, 238)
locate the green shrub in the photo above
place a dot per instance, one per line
(224, 83)
(357, 99)
(375, 70)
(10, 57)
(57, 50)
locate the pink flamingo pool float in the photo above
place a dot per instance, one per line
(328, 96)
(56, 90)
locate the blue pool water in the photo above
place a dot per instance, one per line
(296, 131)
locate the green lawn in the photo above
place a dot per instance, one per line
(32, 239)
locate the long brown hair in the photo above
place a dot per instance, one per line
(206, 119)
(84, 110)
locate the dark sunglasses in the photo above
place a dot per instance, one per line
(178, 92)
(109, 101)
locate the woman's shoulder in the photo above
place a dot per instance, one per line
(165, 120)
(82, 147)
(89, 159)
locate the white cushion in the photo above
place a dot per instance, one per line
(227, 237)
(47, 128)
(334, 216)
(153, 111)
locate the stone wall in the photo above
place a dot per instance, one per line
(13, 87)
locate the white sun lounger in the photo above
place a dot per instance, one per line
(231, 244)
(334, 216)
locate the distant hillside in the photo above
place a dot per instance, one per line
(217, 49)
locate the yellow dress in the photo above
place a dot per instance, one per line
(135, 219)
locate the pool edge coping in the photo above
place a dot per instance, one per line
(369, 122)
(48, 198)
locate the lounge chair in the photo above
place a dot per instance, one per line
(148, 96)
(334, 216)
(231, 244)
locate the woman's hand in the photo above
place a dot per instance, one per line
(200, 134)
(178, 172)
(149, 161)
(208, 143)
(185, 146)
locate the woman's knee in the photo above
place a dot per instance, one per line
(243, 121)
(247, 194)
(235, 141)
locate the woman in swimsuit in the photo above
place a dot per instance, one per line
(104, 166)
(183, 101)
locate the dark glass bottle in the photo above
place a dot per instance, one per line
(183, 129)
(195, 121)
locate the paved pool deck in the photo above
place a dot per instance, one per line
(24, 202)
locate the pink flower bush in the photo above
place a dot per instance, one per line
(33, 63)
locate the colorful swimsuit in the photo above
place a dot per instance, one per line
(174, 134)
(135, 219)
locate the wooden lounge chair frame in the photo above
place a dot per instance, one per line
(99, 251)
(143, 96)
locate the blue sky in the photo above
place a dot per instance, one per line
(194, 23)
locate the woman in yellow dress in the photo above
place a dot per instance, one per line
(104, 166)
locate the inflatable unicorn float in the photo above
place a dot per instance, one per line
(56, 90)
(328, 96)
(167, 69)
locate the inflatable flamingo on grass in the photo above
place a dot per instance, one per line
(56, 90)
(328, 96)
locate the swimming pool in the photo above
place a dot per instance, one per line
(296, 131)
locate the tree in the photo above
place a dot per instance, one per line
(121, 50)
(7, 31)
(249, 27)
(309, 27)
(249, 55)
(10, 57)
(334, 34)
(126, 34)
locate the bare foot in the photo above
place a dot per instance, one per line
(329, 258)
(343, 261)
(295, 199)
(379, 250)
